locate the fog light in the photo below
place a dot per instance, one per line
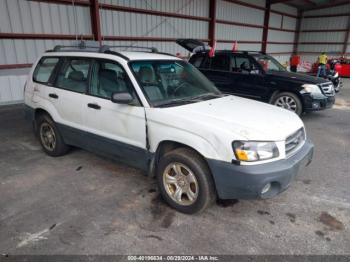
(315, 105)
(266, 188)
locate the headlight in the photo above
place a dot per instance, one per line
(336, 75)
(314, 89)
(254, 151)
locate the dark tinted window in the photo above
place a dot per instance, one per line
(73, 75)
(243, 64)
(220, 62)
(44, 69)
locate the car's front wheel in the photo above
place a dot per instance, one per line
(288, 101)
(185, 181)
(49, 136)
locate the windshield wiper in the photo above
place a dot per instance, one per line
(188, 100)
(174, 102)
(205, 96)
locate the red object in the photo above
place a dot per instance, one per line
(212, 50)
(343, 68)
(235, 46)
(295, 60)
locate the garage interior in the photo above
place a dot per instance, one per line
(85, 204)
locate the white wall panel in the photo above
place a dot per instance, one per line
(232, 32)
(278, 48)
(325, 23)
(275, 20)
(168, 47)
(238, 13)
(322, 37)
(25, 51)
(19, 16)
(284, 8)
(256, 2)
(11, 88)
(289, 23)
(280, 36)
(115, 23)
(329, 11)
(320, 48)
(247, 47)
(186, 7)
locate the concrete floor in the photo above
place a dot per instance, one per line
(84, 204)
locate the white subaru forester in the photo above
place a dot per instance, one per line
(158, 113)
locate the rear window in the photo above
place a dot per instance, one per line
(44, 69)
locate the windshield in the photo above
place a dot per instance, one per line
(268, 63)
(172, 82)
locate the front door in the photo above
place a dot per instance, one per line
(247, 78)
(118, 130)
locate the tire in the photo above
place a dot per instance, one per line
(48, 134)
(195, 181)
(288, 101)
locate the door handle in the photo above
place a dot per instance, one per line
(94, 106)
(53, 96)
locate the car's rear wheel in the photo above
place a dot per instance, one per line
(288, 101)
(49, 136)
(185, 181)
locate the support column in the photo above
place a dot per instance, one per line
(297, 33)
(266, 26)
(212, 22)
(95, 20)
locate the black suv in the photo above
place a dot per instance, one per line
(259, 76)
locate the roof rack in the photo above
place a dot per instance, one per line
(82, 47)
(104, 48)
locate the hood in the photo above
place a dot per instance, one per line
(245, 119)
(296, 77)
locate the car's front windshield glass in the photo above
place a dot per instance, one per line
(168, 83)
(268, 63)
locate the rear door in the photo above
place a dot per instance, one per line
(216, 69)
(68, 93)
(42, 79)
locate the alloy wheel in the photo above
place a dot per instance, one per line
(180, 184)
(47, 136)
(286, 102)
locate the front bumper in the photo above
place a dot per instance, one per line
(315, 104)
(247, 182)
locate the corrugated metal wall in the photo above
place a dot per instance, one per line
(283, 39)
(330, 41)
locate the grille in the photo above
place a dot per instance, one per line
(327, 89)
(294, 141)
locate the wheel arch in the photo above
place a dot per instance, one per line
(166, 146)
(276, 92)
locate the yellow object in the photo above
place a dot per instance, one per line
(242, 155)
(322, 59)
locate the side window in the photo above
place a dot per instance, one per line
(44, 69)
(73, 75)
(244, 65)
(108, 78)
(220, 62)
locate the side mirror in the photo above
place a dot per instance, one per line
(122, 98)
